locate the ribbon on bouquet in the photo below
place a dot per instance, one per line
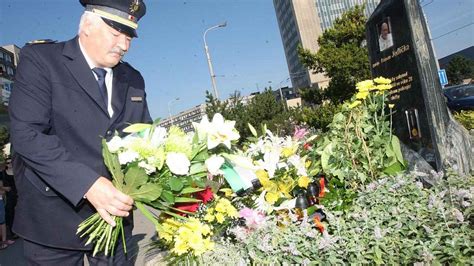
(240, 179)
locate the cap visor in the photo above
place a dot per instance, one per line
(121, 28)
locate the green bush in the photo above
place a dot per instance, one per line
(392, 221)
(318, 117)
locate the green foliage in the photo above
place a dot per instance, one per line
(359, 146)
(393, 221)
(466, 118)
(459, 68)
(342, 55)
(261, 109)
(318, 117)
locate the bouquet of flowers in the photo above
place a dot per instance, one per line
(160, 169)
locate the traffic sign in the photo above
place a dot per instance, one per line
(443, 79)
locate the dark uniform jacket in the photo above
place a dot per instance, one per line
(58, 119)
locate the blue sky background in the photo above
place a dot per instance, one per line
(246, 55)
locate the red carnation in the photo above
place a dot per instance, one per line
(205, 195)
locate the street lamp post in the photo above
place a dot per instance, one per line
(209, 63)
(169, 110)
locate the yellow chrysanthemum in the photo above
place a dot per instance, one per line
(208, 244)
(304, 181)
(362, 95)
(180, 247)
(220, 217)
(354, 104)
(365, 85)
(382, 80)
(220, 207)
(384, 87)
(209, 217)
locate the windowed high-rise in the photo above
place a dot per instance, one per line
(301, 22)
(299, 25)
(329, 10)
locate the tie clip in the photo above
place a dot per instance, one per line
(136, 99)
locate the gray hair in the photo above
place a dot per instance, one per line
(89, 16)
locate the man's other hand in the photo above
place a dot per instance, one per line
(108, 200)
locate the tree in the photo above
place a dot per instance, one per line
(459, 68)
(342, 55)
(261, 109)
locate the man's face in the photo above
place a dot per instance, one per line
(384, 30)
(106, 46)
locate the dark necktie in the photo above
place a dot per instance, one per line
(100, 72)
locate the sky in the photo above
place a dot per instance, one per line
(247, 54)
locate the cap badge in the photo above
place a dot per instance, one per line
(135, 6)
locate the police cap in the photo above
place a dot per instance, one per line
(122, 15)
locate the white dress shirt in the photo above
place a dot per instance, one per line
(109, 77)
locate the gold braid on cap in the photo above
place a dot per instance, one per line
(116, 18)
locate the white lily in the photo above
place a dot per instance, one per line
(299, 164)
(202, 127)
(221, 131)
(270, 161)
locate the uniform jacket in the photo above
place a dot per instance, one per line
(58, 119)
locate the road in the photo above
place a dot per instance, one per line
(142, 235)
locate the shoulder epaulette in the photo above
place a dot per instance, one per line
(41, 41)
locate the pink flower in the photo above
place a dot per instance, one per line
(300, 132)
(253, 219)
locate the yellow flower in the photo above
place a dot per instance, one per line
(362, 95)
(208, 244)
(365, 85)
(285, 188)
(180, 247)
(220, 217)
(354, 104)
(288, 151)
(209, 218)
(304, 181)
(262, 176)
(227, 192)
(383, 87)
(308, 163)
(382, 80)
(391, 105)
(232, 212)
(272, 197)
(220, 207)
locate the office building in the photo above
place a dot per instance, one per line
(329, 10)
(301, 22)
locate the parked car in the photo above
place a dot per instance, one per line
(460, 97)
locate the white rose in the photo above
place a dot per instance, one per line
(127, 157)
(178, 163)
(115, 144)
(214, 163)
(149, 169)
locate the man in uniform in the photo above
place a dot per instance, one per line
(67, 97)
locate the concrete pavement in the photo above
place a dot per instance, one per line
(142, 235)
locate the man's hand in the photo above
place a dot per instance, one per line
(108, 200)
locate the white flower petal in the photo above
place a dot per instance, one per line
(178, 163)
